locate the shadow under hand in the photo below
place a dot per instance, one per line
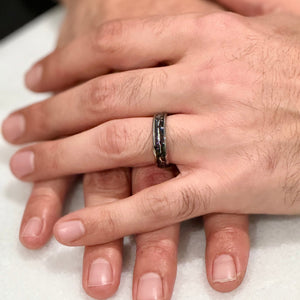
(192, 241)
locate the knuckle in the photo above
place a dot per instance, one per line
(153, 175)
(42, 196)
(225, 236)
(124, 93)
(108, 36)
(99, 96)
(164, 249)
(115, 139)
(114, 182)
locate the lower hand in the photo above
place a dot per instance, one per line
(231, 228)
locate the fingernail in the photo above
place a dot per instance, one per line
(224, 269)
(22, 163)
(100, 273)
(70, 231)
(13, 127)
(150, 287)
(34, 76)
(33, 227)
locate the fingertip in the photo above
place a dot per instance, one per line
(70, 231)
(225, 276)
(102, 266)
(32, 243)
(100, 282)
(13, 127)
(226, 259)
(103, 292)
(33, 77)
(56, 233)
(22, 163)
(32, 234)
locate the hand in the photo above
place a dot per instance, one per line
(237, 236)
(226, 145)
(260, 7)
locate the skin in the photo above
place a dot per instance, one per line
(100, 188)
(208, 219)
(261, 7)
(225, 145)
(213, 175)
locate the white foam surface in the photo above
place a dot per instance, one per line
(54, 272)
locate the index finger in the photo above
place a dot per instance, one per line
(116, 45)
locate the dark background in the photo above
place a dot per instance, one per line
(16, 13)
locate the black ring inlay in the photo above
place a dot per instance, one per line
(160, 140)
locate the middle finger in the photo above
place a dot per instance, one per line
(138, 93)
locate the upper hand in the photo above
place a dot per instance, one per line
(237, 134)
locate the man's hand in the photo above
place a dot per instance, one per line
(225, 144)
(45, 203)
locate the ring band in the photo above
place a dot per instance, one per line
(160, 140)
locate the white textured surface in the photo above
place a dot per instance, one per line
(55, 271)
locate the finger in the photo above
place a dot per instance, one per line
(122, 95)
(102, 264)
(118, 143)
(153, 208)
(227, 250)
(116, 45)
(43, 209)
(156, 252)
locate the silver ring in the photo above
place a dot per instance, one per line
(160, 140)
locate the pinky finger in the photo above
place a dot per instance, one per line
(43, 209)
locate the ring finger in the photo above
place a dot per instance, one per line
(119, 143)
